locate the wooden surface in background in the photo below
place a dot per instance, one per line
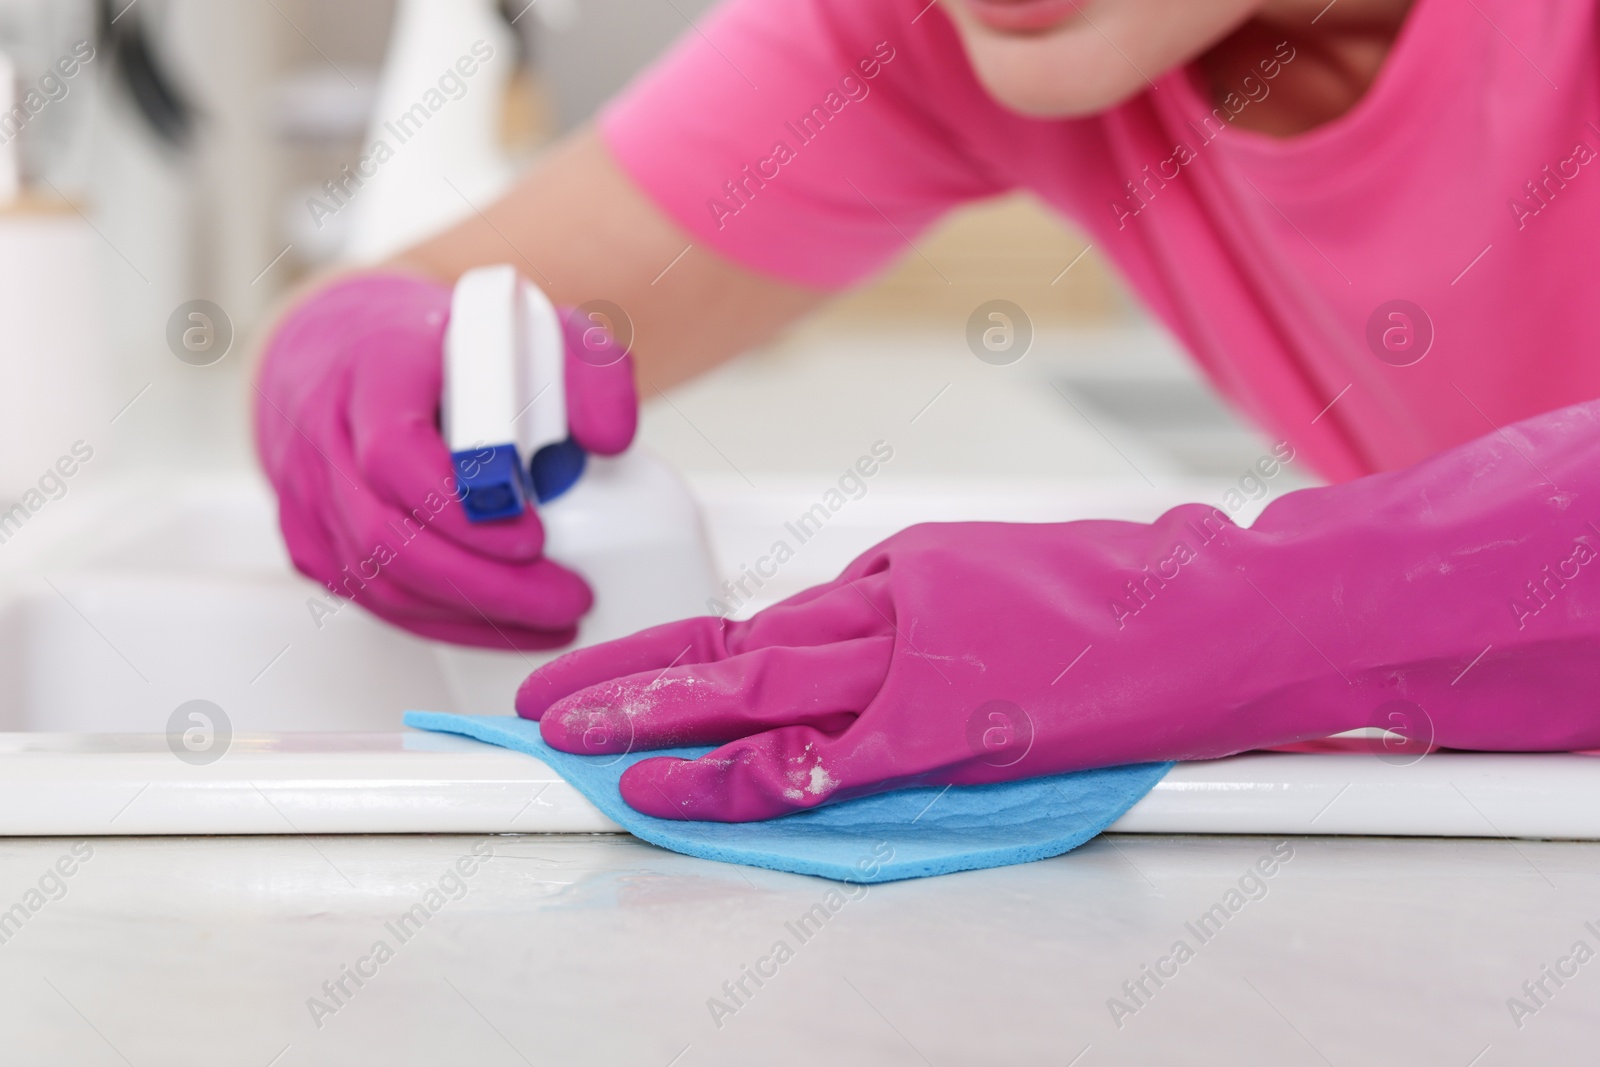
(1010, 248)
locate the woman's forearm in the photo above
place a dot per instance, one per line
(578, 227)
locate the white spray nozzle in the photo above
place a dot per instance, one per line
(504, 392)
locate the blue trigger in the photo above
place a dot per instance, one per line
(556, 468)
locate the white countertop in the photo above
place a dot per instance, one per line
(604, 950)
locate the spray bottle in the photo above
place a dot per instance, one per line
(626, 523)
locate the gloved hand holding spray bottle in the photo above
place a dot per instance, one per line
(626, 523)
(348, 414)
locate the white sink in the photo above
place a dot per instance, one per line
(195, 600)
(186, 593)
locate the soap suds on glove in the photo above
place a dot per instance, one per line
(821, 781)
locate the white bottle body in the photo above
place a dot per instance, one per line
(631, 528)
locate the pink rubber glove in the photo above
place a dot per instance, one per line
(1460, 595)
(347, 426)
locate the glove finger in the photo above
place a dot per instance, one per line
(540, 595)
(763, 776)
(840, 610)
(687, 641)
(602, 403)
(370, 582)
(822, 687)
(821, 616)
(494, 638)
(399, 453)
(377, 544)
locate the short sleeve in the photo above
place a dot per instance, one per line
(809, 140)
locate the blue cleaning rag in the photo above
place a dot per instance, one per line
(910, 833)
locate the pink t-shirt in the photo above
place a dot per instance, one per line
(812, 139)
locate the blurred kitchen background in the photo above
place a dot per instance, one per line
(176, 165)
